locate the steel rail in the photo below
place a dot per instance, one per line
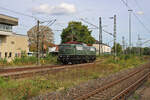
(19, 72)
(7, 70)
(88, 95)
(22, 69)
(122, 94)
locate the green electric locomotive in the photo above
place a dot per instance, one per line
(76, 53)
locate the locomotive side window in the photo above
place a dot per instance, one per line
(79, 47)
(65, 47)
(92, 49)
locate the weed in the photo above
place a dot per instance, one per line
(3, 62)
(24, 61)
(26, 88)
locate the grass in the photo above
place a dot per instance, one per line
(135, 96)
(49, 59)
(23, 89)
(24, 61)
(3, 62)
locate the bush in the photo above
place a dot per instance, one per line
(124, 57)
(30, 60)
(24, 61)
(49, 59)
(3, 62)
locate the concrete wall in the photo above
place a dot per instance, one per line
(13, 45)
(105, 48)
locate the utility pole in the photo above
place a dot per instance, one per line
(126, 2)
(123, 44)
(43, 38)
(38, 49)
(140, 45)
(100, 35)
(130, 11)
(115, 47)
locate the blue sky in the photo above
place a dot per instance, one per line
(90, 10)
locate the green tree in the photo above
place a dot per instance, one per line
(135, 50)
(77, 32)
(146, 51)
(118, 49)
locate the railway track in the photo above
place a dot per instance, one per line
(125, 93)
(117, 86)
(8, 70)
(30, 71)
(118, 89)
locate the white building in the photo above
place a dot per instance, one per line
(11, 44)
(104, 48)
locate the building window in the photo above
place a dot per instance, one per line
(5, 27)
(19, 54)
(5, 54)
(108, 49)
(0, 55)
(10, 54)
(16, 54)
(12, 42)
(0, 42)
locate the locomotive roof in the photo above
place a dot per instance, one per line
(73, 42)
(70, 44)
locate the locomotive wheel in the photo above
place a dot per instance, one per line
(65, 62)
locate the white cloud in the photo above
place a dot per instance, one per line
(62, 9)
(140, 12)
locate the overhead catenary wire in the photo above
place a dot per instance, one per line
(27, 15)
(146, 42)
(139, 20)
(51, 22)
(20, 13)
(141, 9)
(16, 12)
(96, 27)
(138, 4)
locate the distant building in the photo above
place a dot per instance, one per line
(104, 48)
(11, 44)
(53, 49)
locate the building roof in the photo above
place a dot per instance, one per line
(20, 34)
(97, 42)
(4, 19)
